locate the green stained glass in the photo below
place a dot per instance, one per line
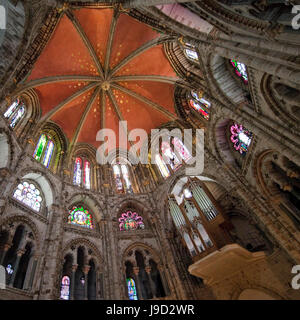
(40, 147)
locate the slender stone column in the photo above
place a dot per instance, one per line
(74, 268)
(138, 284)
(20, 252)
(152, 284)
(86, 270)
(5, 249)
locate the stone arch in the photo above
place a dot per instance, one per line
(256, 293)
(282, 97)
(17, 220)
(224, 79)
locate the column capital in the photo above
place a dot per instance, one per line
(74, 267)
(86, 269)
(20, 252)
(136, 270)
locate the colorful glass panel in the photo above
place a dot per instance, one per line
(81, 217)
(87, 175)
(125, 174)
(65, 288)
(169, 153)
(131, 289)
(240, 70)
(181, 149)
(191, 54)
(162, 166)
(17, 116)
(130, 221)
(117, 175)
(240, 137)
(28, 194)
(40, 147)
(11, 109)
(77, 172)
(200, 105)
(48, 153)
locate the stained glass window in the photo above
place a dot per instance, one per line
(181, 149)
(170, 154)
(200, 104)
(44, 150)
(131, 289)
(29, 194)
(130, 221)
(122, 178)
(81, 217)
(162, 166)
(240, 137)
(15, 112)
(191, 54)
(240, 70)
(87, 175)
(65, 288)
(77, 171)
(48, 153)
(9, 269)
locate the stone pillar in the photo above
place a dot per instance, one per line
(20, 252)
(164, 281)
(5, 249)
(136, 271)
(30, 272)
(74, 268)
(152, 283)
(86, 270)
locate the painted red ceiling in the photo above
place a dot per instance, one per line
(66, 54)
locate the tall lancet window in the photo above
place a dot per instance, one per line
(181, 149)
(82, 173)
(200, 104)
(44, 150)
(162, 166)
(122, 178)
(15, 112)
(167, 151)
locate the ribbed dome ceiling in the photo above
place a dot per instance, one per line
(101, 66)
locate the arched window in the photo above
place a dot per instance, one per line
(191, 54)
(200, 104)
(65, 288)
(122, 178)
(167, 151)
(240, 70)
(241, 138)
(130, 221)
(131, 289)
(181, 149)
(15, 112)
(82, 173)
(29, 194)
(162, 166)
(80, 217)
(170, 161)
(44, 150)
